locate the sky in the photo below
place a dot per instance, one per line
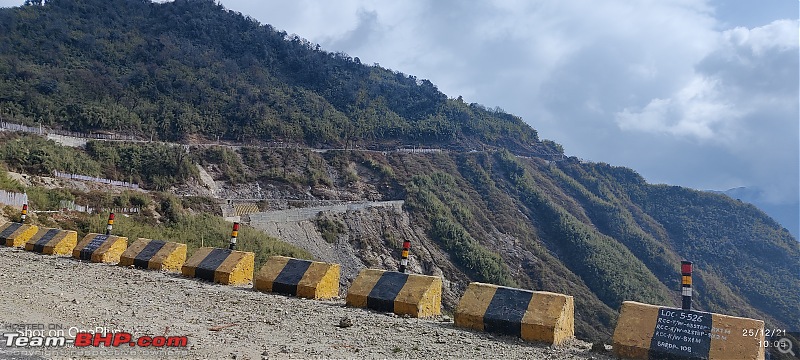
(696, 93)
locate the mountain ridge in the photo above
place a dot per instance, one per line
(786, 214)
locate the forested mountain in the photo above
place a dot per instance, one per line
(191, 68)
(505, 213)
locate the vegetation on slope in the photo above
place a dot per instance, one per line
(162, 216)
(189, 67)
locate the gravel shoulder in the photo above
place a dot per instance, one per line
(224, 322)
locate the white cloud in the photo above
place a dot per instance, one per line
(751, 72)
(698, 110)
(743, 97)
(616, 81)
(780, 35)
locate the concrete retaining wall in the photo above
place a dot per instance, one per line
(301, 214)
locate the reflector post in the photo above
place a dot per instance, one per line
(404, 255)
(110, 223)
(686, 284)
(234, 235)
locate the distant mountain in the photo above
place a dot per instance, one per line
(505, 206)
(787, 214)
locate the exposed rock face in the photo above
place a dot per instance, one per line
(368, 238)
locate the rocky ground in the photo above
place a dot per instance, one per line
(224, 322)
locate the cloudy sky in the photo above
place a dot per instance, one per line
(695, 93)
(687, 92)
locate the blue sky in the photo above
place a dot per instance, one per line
(695, 93)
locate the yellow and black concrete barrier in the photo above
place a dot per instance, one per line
(154, 255)
(100, 248)
(651, 332)
(224, 266)
(53, 242)
(390, 291)
(16, 234)
(532, 315)
(303, 278)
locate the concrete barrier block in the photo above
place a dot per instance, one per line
(53, 242)
(100, 248)
(16, 234)
(647, 332)
(390, 291)
(224, 266)
(532, 315)
(154, 255)
(302, 278)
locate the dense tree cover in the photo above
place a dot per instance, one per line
(36, 155)
(608, 267)
(446, 215)
(747, 263)
(603, 235)
(153, 166)
(190, 67)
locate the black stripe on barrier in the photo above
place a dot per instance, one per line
(9, 230)
(142, 260)
(382, 295)
(286, 282)
(205, 270)
(506, 310)
(86, 252)
(681, 334)
(49, 235)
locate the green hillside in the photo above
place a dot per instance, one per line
(496, 202)
(169, 71)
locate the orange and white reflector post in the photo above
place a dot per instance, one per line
(404, 255)
(234, 235)
(110, 223)
(686, 284)
(24, 213)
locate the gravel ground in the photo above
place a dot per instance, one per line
(223, 322)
